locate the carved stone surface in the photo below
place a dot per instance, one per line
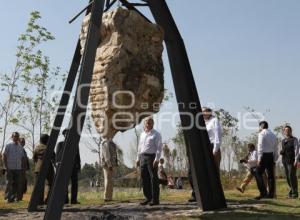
(128, 82)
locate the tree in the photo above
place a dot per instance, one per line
(88, 171)
(38, 80)
(182, 160)
(167, 155)
(94, 141)
(27, 103)
(174, 157)
(10, 83)
(230, 141)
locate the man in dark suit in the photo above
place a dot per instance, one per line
(75, 171)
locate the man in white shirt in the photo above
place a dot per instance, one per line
(214, 131)
(149, 153)
(251, 163)
(267, 156)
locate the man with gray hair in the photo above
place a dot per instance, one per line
(13, 157)
(149, 153)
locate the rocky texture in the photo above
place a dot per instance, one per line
(167, 211)
(121, 211)
(128, 71)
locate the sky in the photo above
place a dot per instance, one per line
(243, 53)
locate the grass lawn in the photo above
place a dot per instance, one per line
(241, 206)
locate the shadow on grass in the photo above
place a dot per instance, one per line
(253, 209)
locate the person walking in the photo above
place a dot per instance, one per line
(75, 170)
(13, 157)
(267, 156)
(251, 163)
(290, 156)
(149, 153)
(38, 156)
(109, 162)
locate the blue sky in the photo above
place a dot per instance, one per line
(242, 52)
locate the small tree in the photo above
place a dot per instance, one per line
(11, 83)
(182, 160)
(37, 81)
(167, 155)
(230, 145)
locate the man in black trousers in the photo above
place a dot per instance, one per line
(267, 156)
(149, 152)
(290, 156)
(75, 171)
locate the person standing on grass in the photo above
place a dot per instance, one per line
(290, 156)
(75, 170)
(13, 157)
(214, 131)
(179, 183)
(25, 166)
(162, 176)
(251, 162)
(267, 155)
(149, 153)
(109, 162)
(38, 156)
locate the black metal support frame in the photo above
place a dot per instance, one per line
(207, 184)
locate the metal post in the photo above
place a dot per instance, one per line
(40, 182)
(57, 198)
(207, 184)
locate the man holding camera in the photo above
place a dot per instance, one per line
(251, 162)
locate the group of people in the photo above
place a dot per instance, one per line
(14, 164)
(260, 163)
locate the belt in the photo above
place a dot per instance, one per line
(149, 155)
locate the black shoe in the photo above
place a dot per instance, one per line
(260, 197)
(153, 203)
(75, 202)
(240, 189)
(294, 196)
(10, 201)
(107, 200)
(145, 202)
(192, 200)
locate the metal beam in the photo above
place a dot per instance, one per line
(79, 13)
(208, 188)
(56, 202)
(40, 182)
(131, 7)
(109, 5)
